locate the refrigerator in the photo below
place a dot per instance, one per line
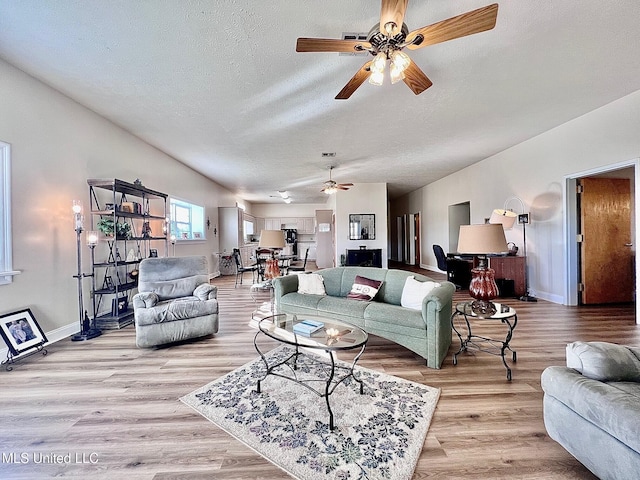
(291, 239)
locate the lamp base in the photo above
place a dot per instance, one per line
(483, 308)
(86, 335)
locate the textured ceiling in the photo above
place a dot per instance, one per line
(217, 84)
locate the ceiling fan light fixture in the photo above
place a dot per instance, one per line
(379, 63)
(396, 73)
(330, 190)
(376, 78)
(400, 60)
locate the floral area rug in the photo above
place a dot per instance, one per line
(377, 435)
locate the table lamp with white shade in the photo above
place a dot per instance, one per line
(272, 240)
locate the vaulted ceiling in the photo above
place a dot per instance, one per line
(218, 85)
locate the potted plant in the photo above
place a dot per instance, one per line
(106, 226)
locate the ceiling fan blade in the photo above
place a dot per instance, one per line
(345, 184)
(392, 14)
(475, 21)
(330, 45)
(353, 84)
(415, 79)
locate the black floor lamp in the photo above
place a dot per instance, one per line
(87, 330)
(507, 218)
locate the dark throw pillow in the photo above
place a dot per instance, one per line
(364, 288)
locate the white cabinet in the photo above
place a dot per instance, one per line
(272, 223)
(305, 224)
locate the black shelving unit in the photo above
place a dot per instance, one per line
(141, 208)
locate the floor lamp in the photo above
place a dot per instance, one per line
(87, 331)
(507, 218)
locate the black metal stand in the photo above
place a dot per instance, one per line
(526, 297)
(87, 330)
(11, 359)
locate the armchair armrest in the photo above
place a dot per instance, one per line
(206, 292)
(145, 300)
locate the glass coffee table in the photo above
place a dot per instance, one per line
(333, 336)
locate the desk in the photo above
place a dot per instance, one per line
(505, 314)
(509, 269)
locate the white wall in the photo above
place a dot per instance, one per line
(535, 171)
(362, 198)
(56, 144)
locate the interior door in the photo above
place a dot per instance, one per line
(607, 263)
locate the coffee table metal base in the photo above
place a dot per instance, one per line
(331, 370)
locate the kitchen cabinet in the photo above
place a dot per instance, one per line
(305, 224)
(272, 223)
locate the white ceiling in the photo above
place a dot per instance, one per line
(217, 84)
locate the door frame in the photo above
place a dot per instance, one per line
(570, 226)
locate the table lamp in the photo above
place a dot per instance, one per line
(273, 240)
(480, 241)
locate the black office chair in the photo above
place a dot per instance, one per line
(458, 270)
(297, 268)
(440, 257)
(240, 269)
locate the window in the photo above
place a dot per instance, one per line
(187, 220)
(6, 267)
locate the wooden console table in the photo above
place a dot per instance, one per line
(511, 268)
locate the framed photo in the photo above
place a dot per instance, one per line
(21, 332)
(119, 305)
(153, 252)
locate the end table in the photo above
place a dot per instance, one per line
(505, 314)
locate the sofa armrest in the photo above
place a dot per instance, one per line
(145, 300)
(284, 285)
(206, 292)
(607, 362)
(436, 313)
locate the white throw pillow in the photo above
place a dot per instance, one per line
(311, 283)
(414, 292)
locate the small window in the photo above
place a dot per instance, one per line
(187, 220)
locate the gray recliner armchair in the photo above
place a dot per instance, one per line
(174, 301)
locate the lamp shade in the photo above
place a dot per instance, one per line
(271, 239)
(482, 239)
(504, 217)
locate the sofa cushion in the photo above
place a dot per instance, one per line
(364, 288)
(300, 300)
(342, 306)
(414, 292)
(311, 283)
(394, 318)
(607, 362)
(172, 310)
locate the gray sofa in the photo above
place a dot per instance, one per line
(426, 332)
(175, 301)
(592, 407)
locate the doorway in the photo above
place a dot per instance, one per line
(459, 214)
(575, 261)
(607, 259)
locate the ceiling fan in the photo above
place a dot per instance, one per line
(386, 41)
(331, 186)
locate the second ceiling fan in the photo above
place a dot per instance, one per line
(387, 40)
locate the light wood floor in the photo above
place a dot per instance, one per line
(115, 407)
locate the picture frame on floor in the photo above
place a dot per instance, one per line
(119, 305)
(21, 332)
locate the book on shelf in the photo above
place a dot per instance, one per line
(307, 327)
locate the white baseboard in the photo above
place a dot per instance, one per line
(52, 337)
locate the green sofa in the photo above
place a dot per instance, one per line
(426, 332)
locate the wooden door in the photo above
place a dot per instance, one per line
(607, 261)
